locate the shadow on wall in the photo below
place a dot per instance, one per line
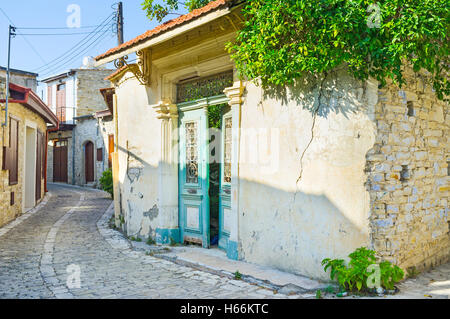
(295, 231)
(290, 231)
(331, 89)
(138, 195)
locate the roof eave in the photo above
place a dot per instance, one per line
(166, 35)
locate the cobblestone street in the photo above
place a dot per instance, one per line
(69, 231)
(35, 254)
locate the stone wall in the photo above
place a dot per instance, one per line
(106, 127)
(408, 175)
(88, 97)
(20, 79)
(87, 129)
(10, 212)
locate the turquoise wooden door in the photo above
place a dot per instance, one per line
(225, 181)
(193, 176)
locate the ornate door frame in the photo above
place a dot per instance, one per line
(194, 218)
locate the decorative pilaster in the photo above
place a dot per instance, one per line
(167, 112)
(234, 95)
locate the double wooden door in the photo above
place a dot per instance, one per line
(60, 162)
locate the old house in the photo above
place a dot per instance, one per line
(20, 77)
(76, 154)
(205, 157)
(23, 148)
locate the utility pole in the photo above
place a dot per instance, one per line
(120, 24)
(12, 33)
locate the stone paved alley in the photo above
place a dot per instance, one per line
(70, 229)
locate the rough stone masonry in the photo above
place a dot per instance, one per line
(408, 177)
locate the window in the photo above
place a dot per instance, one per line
(99, 154)
(191, 153)
(110, 149)
(13, 153)
(49, 96)
(227, 151)
(61, 102)
(60, 143)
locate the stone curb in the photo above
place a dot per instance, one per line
(118, 241)
(26, 215)
(48, 274)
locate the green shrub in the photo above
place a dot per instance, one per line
(355, 275)
(106, 182)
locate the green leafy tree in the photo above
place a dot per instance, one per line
(282, 40)
(161, 9)
(106, 182)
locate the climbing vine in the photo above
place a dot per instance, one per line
(161, 9)
(215, 115)
(282, 40)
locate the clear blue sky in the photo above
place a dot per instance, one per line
(53, 13)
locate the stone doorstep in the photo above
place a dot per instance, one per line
(214, 261)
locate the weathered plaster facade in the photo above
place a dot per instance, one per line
(31, 116)
(301, 176)
(29, 119)
(315, 170)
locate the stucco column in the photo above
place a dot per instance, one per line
(234, 94)
(168, 174)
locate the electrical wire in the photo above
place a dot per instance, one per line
(76, 53)
(94, 44)
(58, 28)
(26, 40)
(69, 52)
(56, 34)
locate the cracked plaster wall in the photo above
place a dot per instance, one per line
(292, 225)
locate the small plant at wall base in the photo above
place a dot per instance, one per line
(106, 182)
(361, 271)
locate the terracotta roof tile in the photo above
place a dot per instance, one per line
(166, 26)
(116, 72)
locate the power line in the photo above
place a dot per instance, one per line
(26, 40)
(96, 42)
(56, 34)
(57, 28)
(62, 63)
(71, 50)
